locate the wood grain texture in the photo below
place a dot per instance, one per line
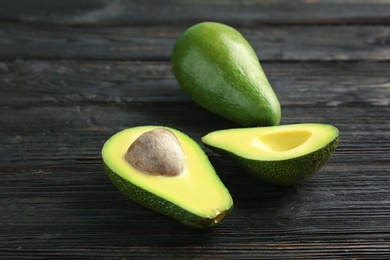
(72, 73)
(329, 84)
(276, 43)
(57, 201)
(173, 12)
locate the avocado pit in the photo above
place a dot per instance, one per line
(157, 152)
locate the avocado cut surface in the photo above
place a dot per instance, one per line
(196, 197)
(283, 155)
(218, 68)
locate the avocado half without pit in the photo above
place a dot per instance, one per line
(283, 155)
(165, 170)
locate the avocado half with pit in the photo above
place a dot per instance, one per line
(165, 170)
(283, 155)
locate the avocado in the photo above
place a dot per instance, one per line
(284, 155)
(216, 66)
(165, 170)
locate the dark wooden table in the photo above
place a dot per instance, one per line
(72, 73)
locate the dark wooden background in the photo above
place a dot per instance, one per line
(72, 73)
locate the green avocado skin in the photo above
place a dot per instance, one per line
(287, 172)
(217, 67)
(153, 202)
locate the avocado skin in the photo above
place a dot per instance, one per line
(153, 202)
(217, 67)
(288, 172)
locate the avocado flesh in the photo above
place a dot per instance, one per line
(283, 155)
(217, 67)
(195, 198)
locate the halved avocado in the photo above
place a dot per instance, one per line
(283, 155)
(194, 195)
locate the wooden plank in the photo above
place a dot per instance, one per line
(104, 98)
(54, 191)
(364, 131)
(177, 12)
(56, 199)
(335, 84)
(276, 43)
(72, 73)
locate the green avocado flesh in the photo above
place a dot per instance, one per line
(218, 68)
(196, 197)
(283, 155)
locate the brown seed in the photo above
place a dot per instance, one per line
(157, 152)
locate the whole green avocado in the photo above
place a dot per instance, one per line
(218, 68)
